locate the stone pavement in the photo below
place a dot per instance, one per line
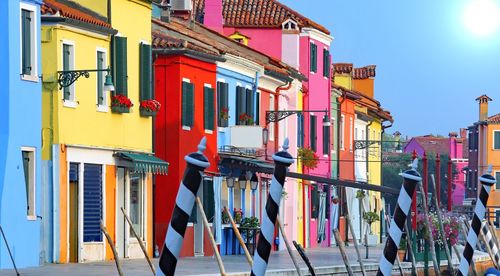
(323, 259)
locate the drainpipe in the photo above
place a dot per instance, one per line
(280, 88)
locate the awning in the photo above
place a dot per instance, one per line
(143, 163)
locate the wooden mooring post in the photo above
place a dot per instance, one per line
(113, 248)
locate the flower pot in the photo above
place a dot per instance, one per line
(147, 113)
(120, 109)
(401, 254)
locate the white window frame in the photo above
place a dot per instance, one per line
(72, 102)
(32, 179)
(342, 131)
(34, 41)
(493, 138)
(143, 207)
(102, 107)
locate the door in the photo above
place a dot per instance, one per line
(120, 219)
(73, 213)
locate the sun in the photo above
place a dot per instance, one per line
(482, 17)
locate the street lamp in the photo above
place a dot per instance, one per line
(254, 182)
(265, 136)
(230, 182)
(326, 121)
(242, 180)
(108, 83)
(67, 77)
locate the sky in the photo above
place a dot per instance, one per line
(430, 66)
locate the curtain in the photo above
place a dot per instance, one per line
(218, 209)
(321, 216)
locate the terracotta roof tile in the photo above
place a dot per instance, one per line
(342, 68)
(433, 144)
(73, 10)
(258, 13)
(364, 72)
(495, 119)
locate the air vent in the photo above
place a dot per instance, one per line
(181, 5)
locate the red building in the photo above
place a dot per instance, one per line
(185, 78)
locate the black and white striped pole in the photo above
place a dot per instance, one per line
(184, 203)
(282, 161)
(488, 238)
(487, 180)
(411, 178)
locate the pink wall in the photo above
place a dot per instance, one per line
(267, 41)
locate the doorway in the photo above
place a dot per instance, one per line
(120, 218)
(198, 227)
(73, 212)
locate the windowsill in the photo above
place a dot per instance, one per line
(186, 128)
(102, 108)
(325, 155)
(31, 218)
(32, 78)
(208, 131)
(71, 104)
(190, 224)
(94, 242)
(222, 129)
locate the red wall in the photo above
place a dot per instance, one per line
(172, 143)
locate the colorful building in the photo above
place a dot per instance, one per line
(97, 139)
(21, 214)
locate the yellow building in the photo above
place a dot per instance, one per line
(97, 149)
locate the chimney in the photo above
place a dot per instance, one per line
(453, 135)
(483, 107)
(463, 133)
(182, 8)
(212, 17)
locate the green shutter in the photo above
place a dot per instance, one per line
(26, 166)
(191, 104)
(26, 42)
(209, 199)
(314, 57)
(100, 82)
(326, 63)
(240, 103)
(184, 109)
(66, 57)
(313, 132)
(120, 65)
(208, 108)
(497, 142)
(326, 140)
(314, 201)
(257, 107)
(222, 102)
(145, 71)
(249, 102)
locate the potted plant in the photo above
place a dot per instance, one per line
(402, 248)
(371, 217)
(224, 116)
(246, 119)
(308, 158)
(238, 215)
(249, 228)
(149, 108)
(120, 104)
(360, 194)
(225, 217)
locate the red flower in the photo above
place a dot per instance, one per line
(121, 100)
(151, 105)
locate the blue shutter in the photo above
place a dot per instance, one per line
(73, 172)
(92, 203)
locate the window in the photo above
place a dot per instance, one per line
(28, 155)
(145, 72)
(300, 130)
(101, 94)
(208, 199)
(68, 64)
(326, 137)
(249, 103)
(326, 63)
(223, 104)
(28, 42)
(187, 104)
(271, 125)
(257, 108)
(92, 203)
(136, 209)
(497, 177)
(120, 77)
(314, 58)
(496, 139)
(244, 106)
(313, 131)
(342, 128)
(208, 108)
(314, 201)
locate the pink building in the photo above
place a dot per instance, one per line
(275, 29)
(454, 146)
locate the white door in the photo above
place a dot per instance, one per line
(120, 219)
(198, 227)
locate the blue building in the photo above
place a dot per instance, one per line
(20, 132)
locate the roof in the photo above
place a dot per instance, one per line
(342, 68)
(143, 163)
(484, 96)
(433, 144)
(364, 72)
(73, 10)
(176, 35)
(258, 13)
(495, 119)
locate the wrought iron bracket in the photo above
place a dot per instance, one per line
(363, 144)
(67, 78)
(278, 115)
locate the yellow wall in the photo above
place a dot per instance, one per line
(374, 169)
(493, 158)
(84, 125)
(100, 7)
(343, 80)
